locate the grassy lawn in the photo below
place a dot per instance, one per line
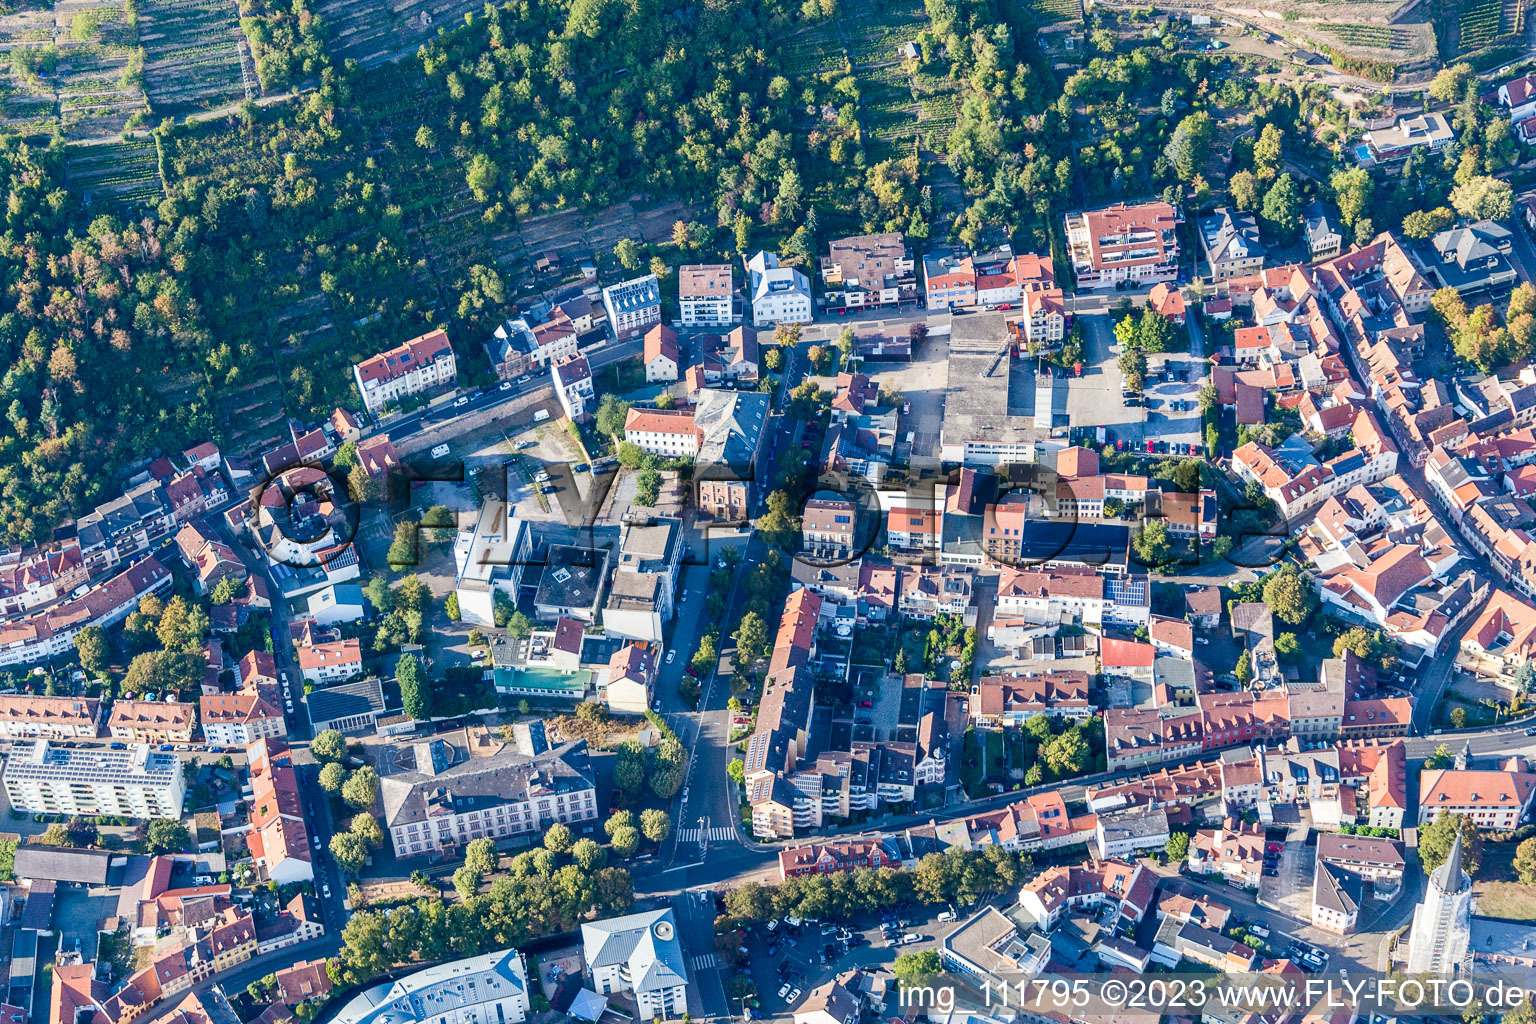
(994, 754)
(1509, 900)
(970, 765)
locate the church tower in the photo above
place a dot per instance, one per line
(1442, 926)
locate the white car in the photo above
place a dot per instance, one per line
(461, 400)
(671, 656)
(784, 989)
(525, 378)
(505, 385)
(794, 996)
(325, 887)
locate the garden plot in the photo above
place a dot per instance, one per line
(194, 55)
(97, 84)
(371, 32)
(29, 105)
(122, 172)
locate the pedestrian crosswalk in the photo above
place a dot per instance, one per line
(703, 962)
(716, 834)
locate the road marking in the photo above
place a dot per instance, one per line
(704, 962)
(717, 834)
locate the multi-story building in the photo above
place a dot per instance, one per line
(827, 526)
(133, 783)
(1494, 800)
(1429, 131)
(633, 306)
(240, 719)
(152, 721)
(24, 717)
(667, 433)
(661, 357)
(490, 557)
(832, 858)
(868, 271)
(641, 954)
(50, 632)
(491, 988)
(447, 799)
(780, 295)
(419, 365)
(517, 346)
(644, 586)
(1231, 242)
(731, 426)
(574, 387)
(278, 837)
(1124, 243)
(1235, 851)
(331, 661)
(704, 295)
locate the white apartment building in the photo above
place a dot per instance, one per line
(441, 803)
(704, 295)
(639, 953)
(133, 783)
(418, 365)
(780, 295)
(490, 557)
(668, 433)
(55, 718)
(491, 988)
(1492, 799)
(240, 719)
(633, 306)
(574, 387)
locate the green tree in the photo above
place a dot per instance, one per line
(618, 820)
(587, 854)
(1151, 543)
(332, 777)
(1441, 758)
(1066, 754)
(366, 827)
(558, 838)
(751, 638)
(627, 253)
(1189, 146)
(1289, 595)
(362, 788)
(736, 768)
(655, 824)
(1282, 207)
(611, 414)
(451, 606)
(327, 745)
(1177, 847)
(1288, 648)
(466, 882)
(1243, 670)
(1422, 224)
(1352, 191)
(1458, 718)
(1524, 861)
(402, 549)
(415, 694)
(1436, 839)
(1484, 198)
(1450, 84)
(625, 841)
(1268, 158)
(349, 852)
(91, 645)
(1154, 332)
(916, 970)
(165, 835)
(183, 626)
(481, 855)
(1243, 187)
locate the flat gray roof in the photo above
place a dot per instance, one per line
(975, 402)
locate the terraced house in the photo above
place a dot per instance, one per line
(413, 368)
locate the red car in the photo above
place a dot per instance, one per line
(866, 704)
(1149, 446)
(1004, 306)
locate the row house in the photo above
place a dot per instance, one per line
(240, 719)
(1007, 701)
(660, 355)
(419, 365)
(209, 557)
(1298, 486)
(36, 577)
(50, 632)
(836, 857)
(26, 717)
(152, 721)
(278, 837)
(520, 345)
(1141, 737)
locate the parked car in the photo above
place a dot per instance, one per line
(461, 400)
(525, 378)
(505, 385)
(671, 656)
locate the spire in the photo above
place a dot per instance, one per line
(1448, 877)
